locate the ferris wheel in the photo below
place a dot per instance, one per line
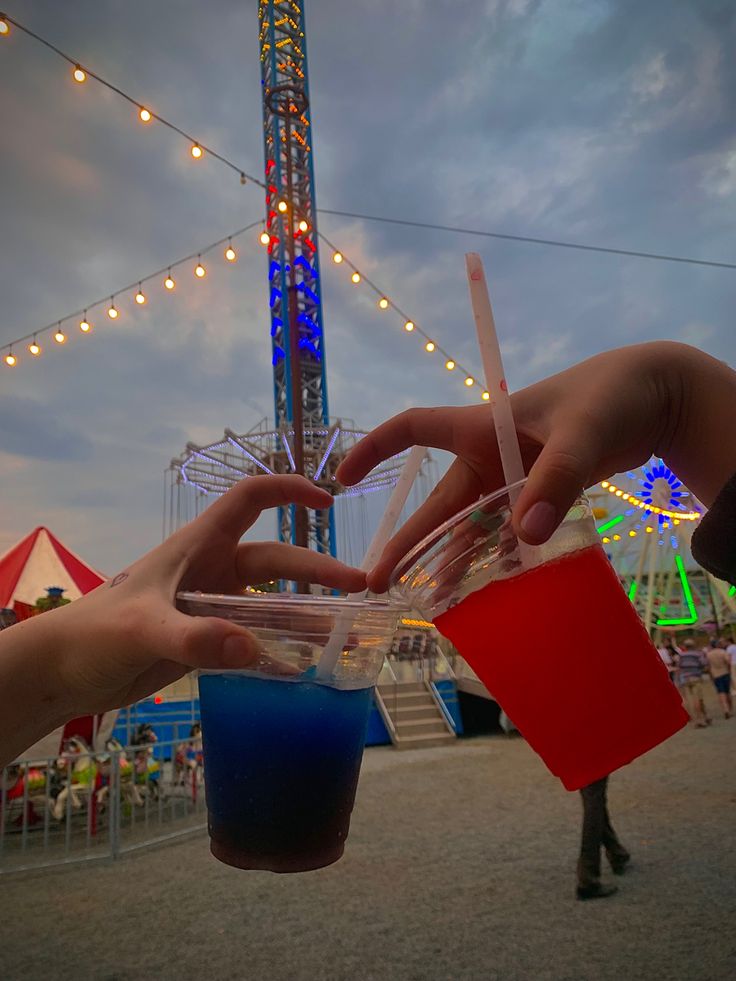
(646, 519)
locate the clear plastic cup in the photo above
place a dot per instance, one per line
(555, 641)
(282, 749)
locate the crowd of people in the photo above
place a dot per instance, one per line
(688, 664)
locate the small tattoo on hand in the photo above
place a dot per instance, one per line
(120, 577)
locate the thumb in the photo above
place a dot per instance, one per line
(210, 642)
(558, 476)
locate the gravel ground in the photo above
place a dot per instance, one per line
(460, 864)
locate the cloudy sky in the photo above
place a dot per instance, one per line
(606, 122)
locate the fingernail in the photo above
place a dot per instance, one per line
(237, 651)
(539, 521)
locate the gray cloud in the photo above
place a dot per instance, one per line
(604, 122)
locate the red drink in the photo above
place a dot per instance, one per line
(588, 691)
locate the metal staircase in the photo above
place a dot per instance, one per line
(413, 711)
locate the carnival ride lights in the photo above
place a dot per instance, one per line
(649, 545)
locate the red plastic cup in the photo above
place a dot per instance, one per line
(556, 641)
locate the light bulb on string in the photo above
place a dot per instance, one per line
(10, 359)
(144, 115)
(429, 346)
(383, 303)
(140, 296)
(409, 326)
(230, 254)
(169, 282)
(449, 364)
(196, 151)
(199, 271)
(34, 347)
(265, 238)
(59, 336)
(84, 325)
(112, 311)
(282, 206)
(79, 74)
(337, 257)
(4, 27)
(486, 396)
(356, 277)
(303, 226)
(469, 381)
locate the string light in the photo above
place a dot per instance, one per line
(196, 151)
(470, 381)
(383, 303)
(409, 326)
(4, 26)
(449, 364)
(265, 238)
(337, 257)
(112, 309)
(144, 115)
(140, 296)
(199, 271)
(35, 348)
(303, 226)
(80, 75)
(356, 277)
(230, 253)
(429, 346)
(169, 282)
(59, 336)
(10, 359)
(486, 396)
(282, 206)
(84, 325)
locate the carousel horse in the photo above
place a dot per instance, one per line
(147, 768)
(73, 777)
(19, 782)
(188, 762)
(128, 790)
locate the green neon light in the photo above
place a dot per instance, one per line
(732, 590)
(632, 590)
(687, 593)
(610, 524)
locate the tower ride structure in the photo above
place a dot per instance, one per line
(304, 438)
(297, 325)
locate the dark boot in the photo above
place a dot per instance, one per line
(596, 890)
(618, 860)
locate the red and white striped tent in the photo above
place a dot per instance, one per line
(38, 561)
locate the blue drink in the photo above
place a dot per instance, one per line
(281, 762)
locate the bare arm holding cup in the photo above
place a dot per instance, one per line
(126, 639)
(606, 414)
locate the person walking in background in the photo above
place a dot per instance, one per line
(668, 653)
(598, 833)
(719, 667)
(731, 651)
(691, 663)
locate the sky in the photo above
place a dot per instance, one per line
(604, 122)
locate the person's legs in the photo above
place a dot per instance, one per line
(692, 693)
(594, 822)
(618, 856)
(723, 687)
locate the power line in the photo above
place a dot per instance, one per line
(529, 239)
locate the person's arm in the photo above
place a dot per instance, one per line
(607, 414)
(126, 639)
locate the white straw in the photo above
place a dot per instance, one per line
(337, 639)
(490, 352)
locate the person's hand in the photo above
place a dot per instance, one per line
(607, 414)
(126, 639)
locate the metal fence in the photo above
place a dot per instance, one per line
(87, 806)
